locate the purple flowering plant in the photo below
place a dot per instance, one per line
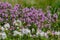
(16, 20)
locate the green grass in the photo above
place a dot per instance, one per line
(35, 3)
(25, 37)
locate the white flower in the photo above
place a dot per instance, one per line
(46, 35)
(38, 32)
(14, 22)
(17, 33)
(7, 25)
(25, 31)
(42, 33)
(57, 33)
(2, 28)
(33, 30)
(4, 35)
(20, 23)
(17, 23)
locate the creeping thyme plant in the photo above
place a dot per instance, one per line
(17, 23)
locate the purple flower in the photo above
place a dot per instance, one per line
(7, 19)
(3, 14)
(0, 11)
(9, 6)
(1, 19)
(16, 7)
(55, 15)
(25, 10)
(4, 5)
(28, 20)
(6, 15)
(49, 15)
(13, 15)
(12, 11)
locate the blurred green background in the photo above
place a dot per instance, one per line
(35, 3)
